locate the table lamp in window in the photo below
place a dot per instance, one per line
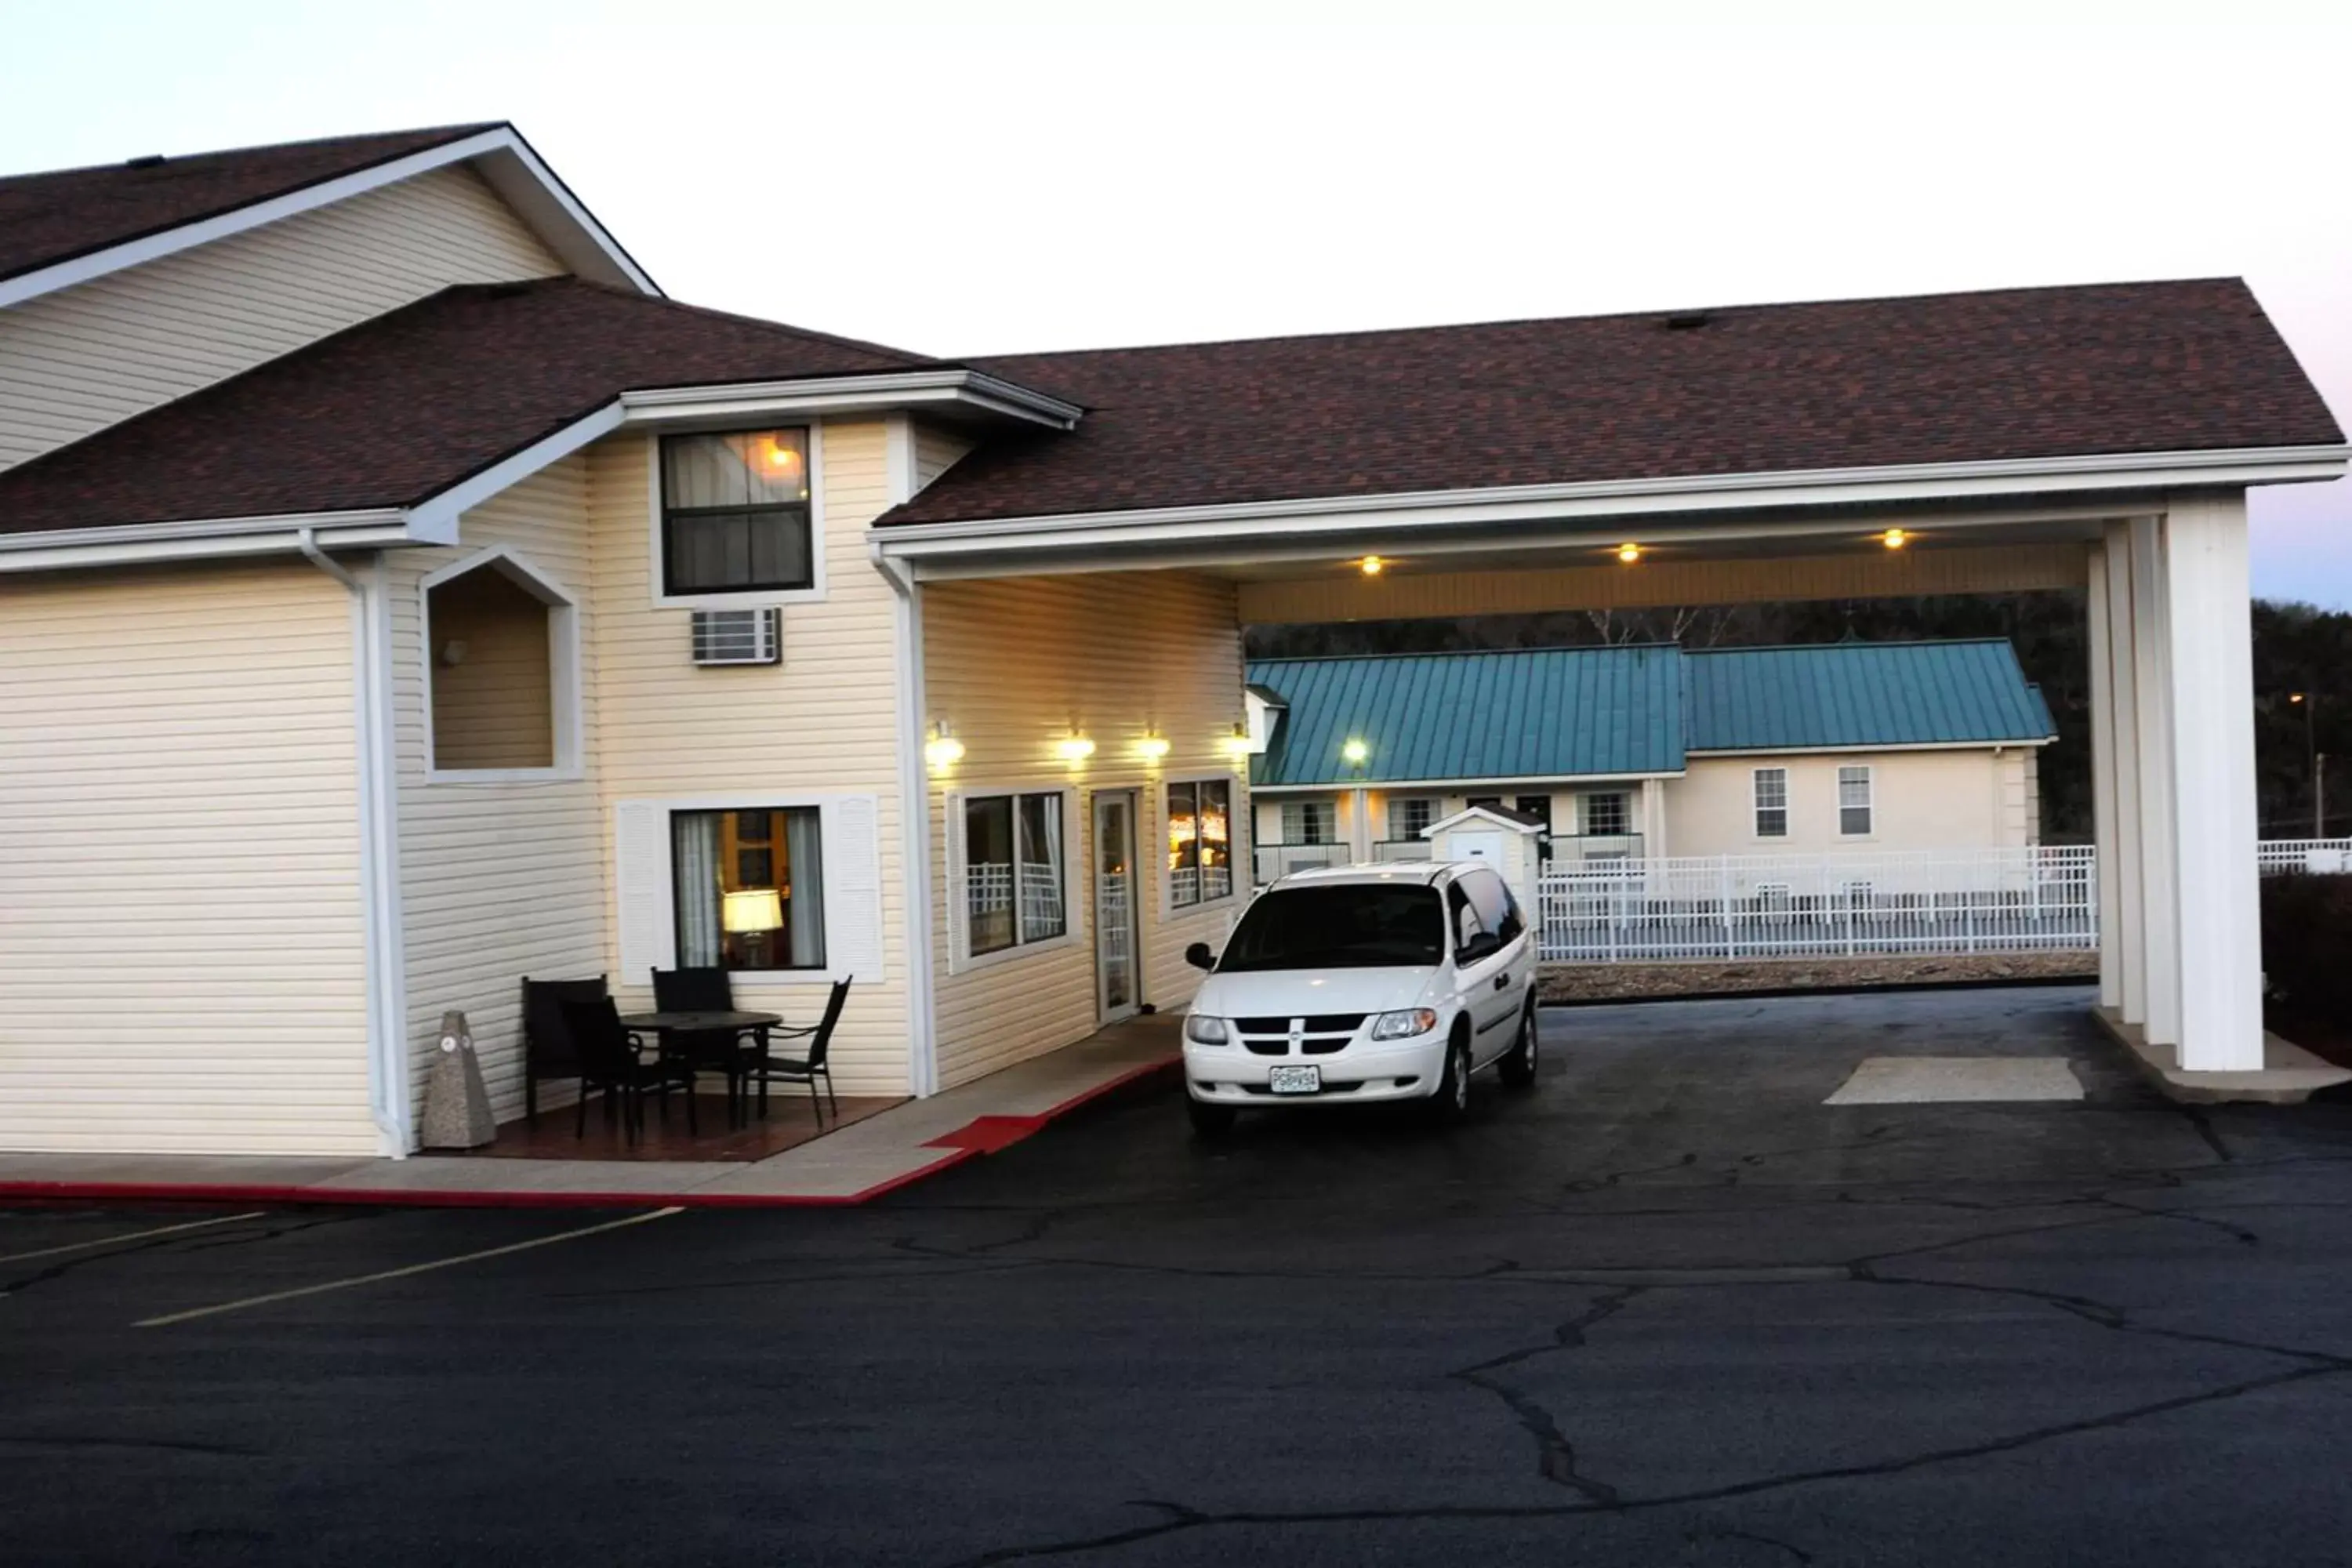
(753, 916)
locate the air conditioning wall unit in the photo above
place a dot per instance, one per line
(739, 637)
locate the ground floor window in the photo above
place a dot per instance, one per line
(1608, 814)
(1013, 861)
(1411, 818)
(1309, 822)
(1854, 801)
(1200, 842)
(749, 888)
(1771, 803)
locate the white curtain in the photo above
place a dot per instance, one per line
(694, 837)
(805, 864)
(1040, 826)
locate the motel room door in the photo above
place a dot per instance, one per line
(1118, 978)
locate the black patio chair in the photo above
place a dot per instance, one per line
(766, 1067)
(548, 1050)
(708, 990)
(612, 1059)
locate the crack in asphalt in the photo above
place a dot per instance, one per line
(267, 1229)
(1555, 1455)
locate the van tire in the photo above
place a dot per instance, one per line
(1210, 1123)
(1452, 1101)
(1517, 1070)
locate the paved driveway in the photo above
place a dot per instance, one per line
(1669, 1308)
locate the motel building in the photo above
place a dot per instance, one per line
(401, 595)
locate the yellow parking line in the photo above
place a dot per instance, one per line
(402, 1273)
(134, 1236)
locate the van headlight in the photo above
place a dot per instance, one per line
(1403, 1025)
(1203, 1030)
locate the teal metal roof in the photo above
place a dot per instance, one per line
(1535, 713)
(1859, 694)
(1548, 713)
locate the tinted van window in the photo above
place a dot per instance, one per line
(1497, 911)
(1359, 926)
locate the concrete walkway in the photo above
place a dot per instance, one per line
(861, 1162)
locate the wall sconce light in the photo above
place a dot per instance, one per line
(1894, 538)
(1628, 553)
(1152, 747)
(942, 750)
(1371, 565)
(1238, 742)
(1075, 747)
(1356, 753)
(453, 652)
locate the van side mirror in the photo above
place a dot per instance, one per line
(1199, 956)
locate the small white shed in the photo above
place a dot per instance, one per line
(1510, 841)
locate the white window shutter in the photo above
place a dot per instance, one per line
(647, 925)
(852, 887)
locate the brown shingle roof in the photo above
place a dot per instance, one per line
(51, 217)
(397, 409)
(2017, 373)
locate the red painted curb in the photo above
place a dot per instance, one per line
(983, 1134)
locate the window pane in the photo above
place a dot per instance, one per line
(1606, 815)
(1042, 913)
(1216, 839)
(1853, 821)
(736, 469)
(988, 873)
(749, 887)
(1308, 821)
(729, 550)
(1853, 800)
(1411, 818)
(1184, 846)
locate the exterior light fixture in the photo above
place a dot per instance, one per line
(1355, 752)
(1628, 553)
(1894, 538)
(2294, 696)
(1371, 565)
(1075, 747)
(1238, 742)
(942, 750)
(1151, 748)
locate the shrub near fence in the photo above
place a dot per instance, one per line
(2308, 947)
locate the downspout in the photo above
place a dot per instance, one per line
(387, 1027)
(900, 484)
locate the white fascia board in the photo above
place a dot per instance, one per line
(1555, 782)
(849, 394)
(1357, 515)
(139, 544)
(435, 519)
(1877, 748)
(509, 165)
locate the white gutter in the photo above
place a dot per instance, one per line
(1357, 515)
(972, 389)
(914, 787)
(386, 986)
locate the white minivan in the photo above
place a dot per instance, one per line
(1354, 985)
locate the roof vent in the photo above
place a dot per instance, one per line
(1688, 320)
(739, 637)
(147, 161)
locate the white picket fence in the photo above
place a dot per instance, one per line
(2318, 857)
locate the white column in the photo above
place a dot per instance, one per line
(1359, 832)
(2152, 658)
(2211, 674)
(2121, 865)
(2103, 785)
(1653, 820)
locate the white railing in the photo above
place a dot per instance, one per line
(1569, 850)
(1272, 862)
(1404, 849)
(988, 904)
(2039, 898)
(2319, 857)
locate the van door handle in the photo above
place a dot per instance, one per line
(1502, 982)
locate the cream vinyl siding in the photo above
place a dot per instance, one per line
(181, 953)
(1961, 799)
(497, 880)
(936, 451)
(824, 721)
(1010, 665)
(86, 357)
(494, 707)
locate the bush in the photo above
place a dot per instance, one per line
(2307, 945)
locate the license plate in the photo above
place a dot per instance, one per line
(1294, 1081)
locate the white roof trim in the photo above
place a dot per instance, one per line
(1575, 781)
(1483, 813)
(1359, 515)
(508, 165)
(1874, 746)
(435, 518)
(61, 549)
(850, 394)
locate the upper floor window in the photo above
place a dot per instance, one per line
(1771, 803)
(1854, 801)
(1409, 818)
(735, 513)
(1607, 815)
(1309, 822)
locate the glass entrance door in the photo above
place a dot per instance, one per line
(1117, 982)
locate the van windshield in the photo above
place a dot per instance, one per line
(1364, 925)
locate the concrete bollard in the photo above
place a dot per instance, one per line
(457, 1104)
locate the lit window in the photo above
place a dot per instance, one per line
(1012, 873)
(1771, 803)
(1200, 842)
(749, 887)
(1854, 801)
(735, 513)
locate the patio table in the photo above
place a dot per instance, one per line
(672, 1026)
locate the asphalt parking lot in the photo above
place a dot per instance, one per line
(1666, 1307)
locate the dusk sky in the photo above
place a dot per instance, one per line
(981, 177)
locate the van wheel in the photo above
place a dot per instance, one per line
(1519, 1070)
(1452, 1101)
(1210, 1123)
